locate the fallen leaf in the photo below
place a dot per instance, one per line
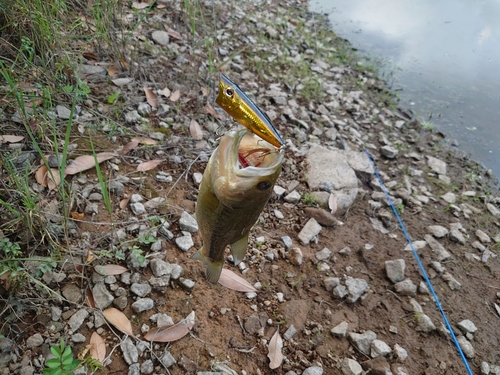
(91, 56)
(204, 91)
(90, 256)
(121, 81)
(11, 138)
(40, 175)
(112, 70)
(124, 203)
(165, 92)
(173, 332)
(89, 298)
(5, 280)
(148, 165)
(97, 347)
(82, 163)
(275, 346)
(174, 34)
(211, 111)
(151, 98)
(53, 178)
(175, 95)
(497, 308)
(232, 281)
(139, 6)
(76, 215)
(135, 142)
(195, 130)
(332, 203)
(110, 270)
(119, 320)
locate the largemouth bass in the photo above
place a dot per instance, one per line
(235, 102)
(236, 184)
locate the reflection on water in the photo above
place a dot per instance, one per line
(443, 55)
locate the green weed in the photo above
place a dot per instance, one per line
(65, 362)
(308, 199)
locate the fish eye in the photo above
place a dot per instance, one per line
(229, 92)
(263, 185)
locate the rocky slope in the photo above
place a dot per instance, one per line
(344, 290)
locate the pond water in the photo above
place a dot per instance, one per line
(442, 57)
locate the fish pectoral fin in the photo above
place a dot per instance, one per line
(239, 249)
(214, 269)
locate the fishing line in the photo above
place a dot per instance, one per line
(424, 273)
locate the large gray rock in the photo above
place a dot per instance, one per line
(309, 231)
(355, 288)
(362, 341)
(331, 168)
(395, 270)
(440, 252)
(436, 165)
(349, 366)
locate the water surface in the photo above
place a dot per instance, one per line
(442, 56)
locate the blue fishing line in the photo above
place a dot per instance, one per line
(424, 273)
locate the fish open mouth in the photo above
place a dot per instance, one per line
(255, 152)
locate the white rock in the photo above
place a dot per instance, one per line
(438, 231)
(417, 245)
(483, 237)
(340, 330)
(400, 354)
(466, 346)
(309, 231)
(379, 348)
(467, 326)
(350, 367)
(278, 190)
(436, 165)
(449, 197)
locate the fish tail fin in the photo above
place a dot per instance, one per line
(239, 249)
(214, 269)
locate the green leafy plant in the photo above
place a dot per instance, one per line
(64, 362)
(9, 254)
(308, 199)
(138, 253)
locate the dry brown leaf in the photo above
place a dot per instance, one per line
(195, 130)
(110, 269)
(11, 138)
(124, 203)
(148, 165)
(5, 280)
(232, 281)
(41, 175)
(90, 256)
(165, 92)
(332, 203)
(139, 6)
(89, 298)
(151, 97)
(135, 142)
(76, 215)
(119, 320)
(175, 95)
(53, 178)
(275, 346)
(121, 81)
(82, 163)
(91, 56)
(211, 111)
(97, 347)
(173, 332)
(174, 34)
(112, 70)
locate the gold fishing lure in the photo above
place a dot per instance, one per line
(235, 102)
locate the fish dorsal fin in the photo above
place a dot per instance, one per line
(239, 249)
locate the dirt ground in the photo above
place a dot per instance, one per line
(224, 333)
